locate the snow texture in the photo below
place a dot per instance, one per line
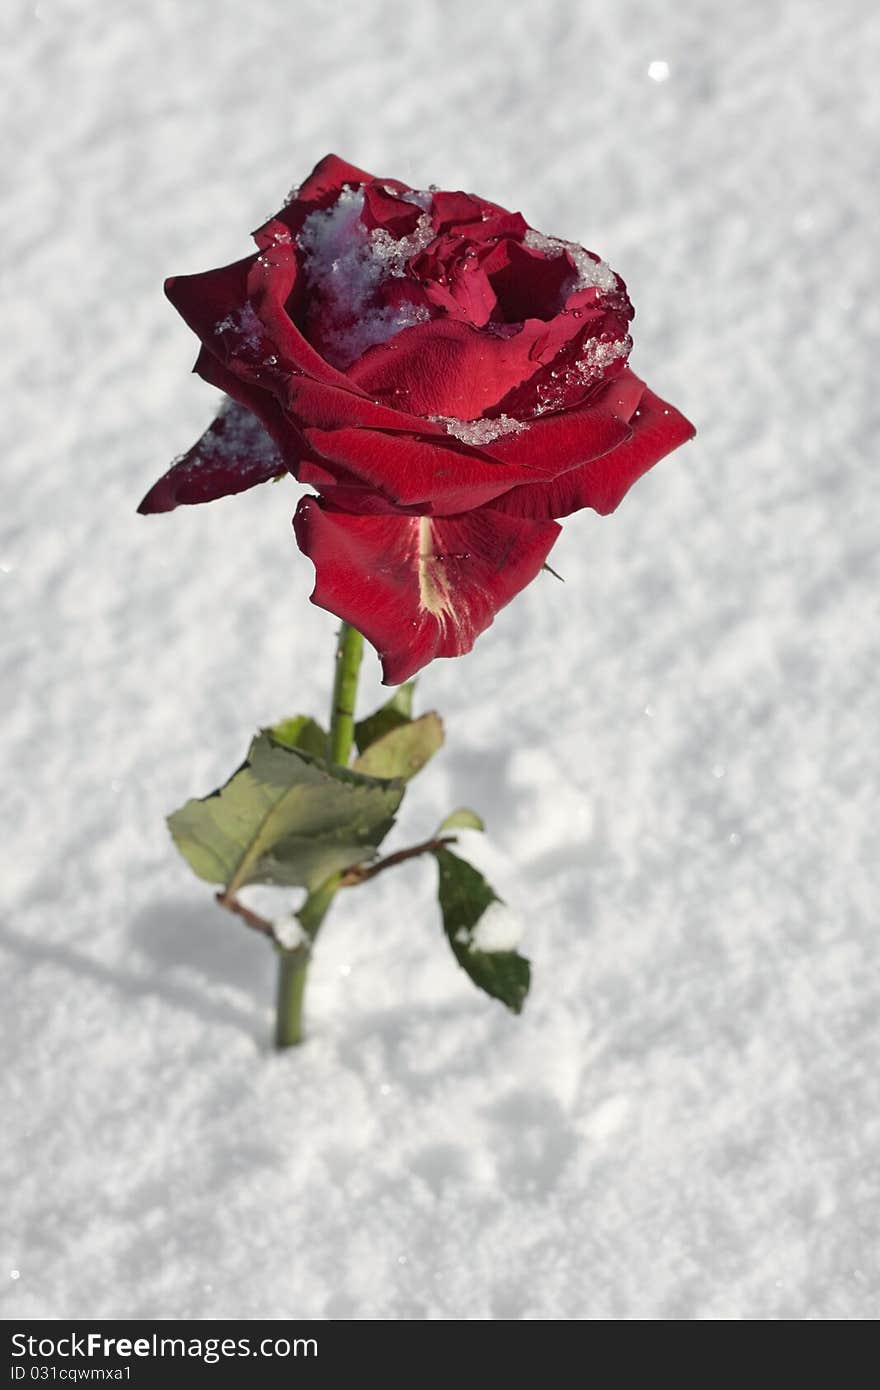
(288, 932)
(589, 273)
(675, 752)
(499, 929)
(479, 432)
(345, 264)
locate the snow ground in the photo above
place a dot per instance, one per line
(674, 751)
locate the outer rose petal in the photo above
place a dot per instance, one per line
(330, 407)
(330, 175)
(213, 468)
(321, 188)
(621, 395)
(442, 474)
(657, 429)
(239, 313)
(554, 443)
(235, 453)
(419, 587)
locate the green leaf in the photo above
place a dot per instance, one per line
(464, 897)
(396, 711)
(403, 751)
(302, 731)
(283, 818)
(462, 819)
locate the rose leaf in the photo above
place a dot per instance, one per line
(396, 711)
(284, 818)
(404, 750)
(465, 900)
(461, 819)
(301, 731)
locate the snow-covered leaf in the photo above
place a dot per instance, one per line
(283, 818)
(469, 904)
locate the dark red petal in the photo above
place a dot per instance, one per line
(444, 473)
(657, 429)
(449, 208)
(570, 369)
(320, 190)
(419, 587)
(554, 443)
(282, 426)
(235, 453)
(528, 284)
(329, 407)
(382, 209)
(621, 395)
(447, 367)
(330, 175)
(239, 313)
(207, 472)
(466, 295)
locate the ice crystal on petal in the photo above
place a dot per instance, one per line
(599, 353)
(238, 435)
(244, 322)
(346, 264)
(589, 273)
(479, 432)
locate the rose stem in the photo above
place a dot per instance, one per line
(293, 964)
(349, 650)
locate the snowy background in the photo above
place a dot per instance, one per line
(673, 751)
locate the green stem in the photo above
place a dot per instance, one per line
(349, 650)
(317, 905)
(292, 969)
(293, 965)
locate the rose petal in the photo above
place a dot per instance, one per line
(330, 175)
(621, 395)
(447, 367)
(235, 453)
(329, 407)
(239, 313)
(554, 443)
(466, 293)
(417, 587)
(449, 208)
(657, 429)
(216, 477)
(382, 209)
(571, 361)
(322, 187)
(444, 473)
(528, 284)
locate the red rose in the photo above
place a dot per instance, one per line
(448, 380)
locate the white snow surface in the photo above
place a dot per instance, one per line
(674, 752)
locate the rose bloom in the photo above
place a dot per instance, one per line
(447, 379)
